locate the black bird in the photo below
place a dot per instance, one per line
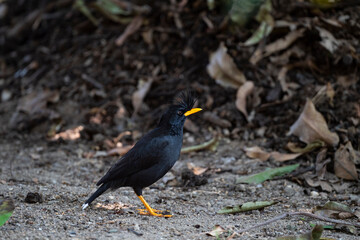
(152, 156)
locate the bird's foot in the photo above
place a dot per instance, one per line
(155, 212)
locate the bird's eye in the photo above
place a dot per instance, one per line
(180, 113)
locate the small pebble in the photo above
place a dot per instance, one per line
(289, 191)
(314, 194)
(241, 187)
(33, 198)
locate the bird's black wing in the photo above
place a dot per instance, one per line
(146, 153)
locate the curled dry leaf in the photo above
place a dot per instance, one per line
(33, 107)
(328, 41)
(276, 46)
(282, 157)
(308, 148)
(243, 91)
(257, 152)
(334, 210)
(223, 69)
(217, 230)
(196, 169)
(344, 162)
(139, 95)
(321, 162)
(311, 126)
(36, 101)
(69, 134)
(325, 186)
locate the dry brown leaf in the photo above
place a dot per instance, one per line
(243, 91)
(332, 22)
(347, 80)
(325, 186)
(130, 29)
(196, 169)
(139, 95)
(284, 58)
(37, 100)
(282, 77)
(121, 150)
(223, 69)
(328, 41)
(69, 134)
(344, 162)
(216, 231)
(282, 157)
(311, 126)
(33, 107)
(257, 152)
(321, 162)
(334, 210)
(276, 46)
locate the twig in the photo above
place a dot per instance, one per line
(325, 219)
(209, 144)
(131, 28)
(134, 232)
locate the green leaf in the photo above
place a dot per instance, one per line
(246, 207)
(80, 5)
(262, 31)
(267, 174)
(324, 4)
(211, 4)
(111, 7)
(243, 10)
(6, 209)
(329, 227)
(309, 147)
(112, 11)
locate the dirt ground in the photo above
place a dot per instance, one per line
(59, 70)
(65, 180)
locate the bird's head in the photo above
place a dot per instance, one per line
(179, 110)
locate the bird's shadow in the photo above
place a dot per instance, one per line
(116, 207)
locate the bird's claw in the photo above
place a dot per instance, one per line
(155, 212)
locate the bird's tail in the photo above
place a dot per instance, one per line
(98, 192)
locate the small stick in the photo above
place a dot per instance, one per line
(134, 232)
(326, 219)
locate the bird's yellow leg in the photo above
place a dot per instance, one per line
(149, 210)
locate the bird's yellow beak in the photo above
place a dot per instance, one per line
(194, 110)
